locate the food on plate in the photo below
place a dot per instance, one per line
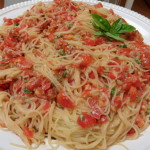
(75, 73)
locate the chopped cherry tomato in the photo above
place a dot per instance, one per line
(99, 5)
(85, 120)
(8, 21)
(133, 93)
(100, 41)
(103, 119)
(22, 63)
(93, 101)
(115, 61)
(125, 51)
(117, 102)
(100, 70)
(65, 101)
(90, 42)
(112, 76)
(28, 133)
(34, 83)
(46, 84)
(46, 106)
(51, 37)
(92, 75)
(86, 60)
(139, 121)
(131, 132)
(146, 60)
(96, 113)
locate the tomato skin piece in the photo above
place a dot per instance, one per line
(86, 60)
(87, 121)
(93, 101)
(131, 132)
(103, 119)
(139, 121)
(100, 70)
(146, 60)
(27, 132)
(64, 101)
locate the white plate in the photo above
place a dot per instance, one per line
(140, 22)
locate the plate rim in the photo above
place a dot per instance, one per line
(106, 4)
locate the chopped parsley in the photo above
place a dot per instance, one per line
(113, 90)
(64, 75)
(27, 91)
(61, 52)
(122, 46)
(59, 36)
(148, 111)
(16, 24)
(137, 60)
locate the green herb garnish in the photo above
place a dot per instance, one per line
(113, 90)
(137, 60)
(122, 46)
(16, 24)
(27, 91)
(61, 52)
(70, 25)
(82, 117)
(112, 31)
(64, 75)
(138, 98)
(59, 36)
(25, 80)
(148, 111)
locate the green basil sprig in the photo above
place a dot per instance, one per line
(112, 31)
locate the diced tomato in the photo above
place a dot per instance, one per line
(115, 61)
(40, 93)
(92, 75)
(46, 106)
(100, 70)
(96, 113)
(90, 42)
(69, 17)
(86, 60)
(23, 63)
(9, 42)
(34, 83)
(145, 57)
(99, 5)
(86, 90)
(112, 76)
(139, 121)
(103, 119)
(65, 101)
(100, 41)
(68, 37)
(93, 101)
(131, 132)
(85, 120)
(8, 21)
(111, 11)
(143, 107)
(135, 36)
(51, 37)
(125, 51)
(133, 93)
(28, 133)
(46, 84)
(117, 102)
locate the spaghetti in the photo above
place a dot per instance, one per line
(58, 80)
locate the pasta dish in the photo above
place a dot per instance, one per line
(75, 74)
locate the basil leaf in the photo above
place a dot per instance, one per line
(126, 28)
(100, 33)
(101, 22)
(116, 26)
(114, 36)
(94, 25)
